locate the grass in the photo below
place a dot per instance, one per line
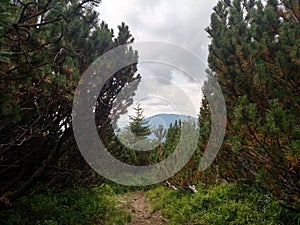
(226, 204)
(232, 204)
(80, 206)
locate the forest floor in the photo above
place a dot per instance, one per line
(139, 207)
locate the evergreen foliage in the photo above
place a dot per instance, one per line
(138, 125)
(45, 47)
(180, 136)
(135, 144)
(254, 55)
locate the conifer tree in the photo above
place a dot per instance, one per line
(138, 125)
(135, 145)
(45, 46)
(254, 54)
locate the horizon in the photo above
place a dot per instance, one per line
(124, 123)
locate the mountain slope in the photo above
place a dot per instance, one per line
(167, 119)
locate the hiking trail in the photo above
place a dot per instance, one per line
(139, 207)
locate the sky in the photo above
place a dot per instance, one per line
(165, 88)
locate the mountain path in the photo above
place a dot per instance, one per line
(139, 206)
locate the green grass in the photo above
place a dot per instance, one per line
(80, 206)
(226, 204)
(231, 204)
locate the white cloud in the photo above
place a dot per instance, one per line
(181, 22)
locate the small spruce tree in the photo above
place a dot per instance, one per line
(138, 125)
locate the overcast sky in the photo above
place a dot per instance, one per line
(181, 22)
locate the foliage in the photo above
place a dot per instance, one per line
(134, 138)
(138, 125)
(182, 137)
(223, 204)
(79, 206)
(254, 55)
(45, 47)
(171, 141)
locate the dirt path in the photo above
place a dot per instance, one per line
(140, 209)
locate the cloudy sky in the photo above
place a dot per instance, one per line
(166, 88)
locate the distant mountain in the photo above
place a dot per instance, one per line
(167, 119)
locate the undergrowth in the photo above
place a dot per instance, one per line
(232, 204)
(226, 204)
(72, 207)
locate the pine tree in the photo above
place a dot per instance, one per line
(138, 125)
(254, 55)
(135, 146)
(45, 46)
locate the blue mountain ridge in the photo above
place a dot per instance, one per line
(167, 119)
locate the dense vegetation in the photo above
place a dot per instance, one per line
(254, 55)
(73, 207)
(45, 47)
(224, 204)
